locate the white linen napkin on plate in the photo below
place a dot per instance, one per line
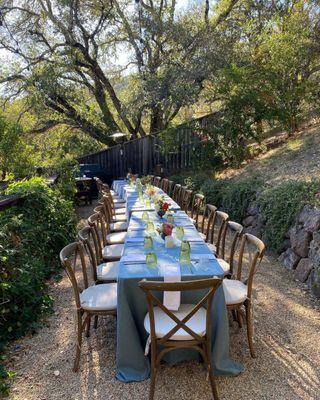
(171, 273)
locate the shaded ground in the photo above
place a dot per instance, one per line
(287, 339)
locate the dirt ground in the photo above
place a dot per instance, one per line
(287, 332)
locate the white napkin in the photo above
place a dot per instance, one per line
(133, 258)
(171, 273)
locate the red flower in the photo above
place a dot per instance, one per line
(165, 206)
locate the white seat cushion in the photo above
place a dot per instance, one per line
(108, 271)
(119, 201)
(119, 205)
(119, 226)
(121, 210)
(224, 265)
(113, 251)
(116, 237)
(235, 292)
(202, 235)
(120, 218)
(99, 297)
(212, 247)
(163, 323)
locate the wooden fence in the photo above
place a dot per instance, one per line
(145, 156)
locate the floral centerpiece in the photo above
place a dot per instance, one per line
(165, 229)
(146, 180)
(161, 207)
(151, 191)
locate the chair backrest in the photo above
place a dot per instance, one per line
(229, 242)
(251, 252)
(156, 181)
(208, 212)
(89, 240)
(170, 188)
(197, 206)
(98, 223)
(208, 285)
(69, 257)
(99, 183)
(216, 227)
(185, 198)
(165, 185)
(176, 193)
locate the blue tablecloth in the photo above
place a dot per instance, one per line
(132, 364)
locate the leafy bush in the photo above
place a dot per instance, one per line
(280, 205)
(193, 182)
(31, 237)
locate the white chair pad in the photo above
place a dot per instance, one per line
(119, 205)
(163, 323)
(120, 218)
(224, 265)
(202, 235)
(212, 247)
(108, 271)
(116, 237)
(235, 292)
(119, 201)
(113, 251)
(121, 210)
(119, 226)
(99, 297)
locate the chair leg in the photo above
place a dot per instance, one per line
(211, 375)
(249, 320)
(79, 342)
(88, 326)
(95, 322)
(153, 375)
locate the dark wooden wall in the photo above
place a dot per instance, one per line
(143, 155)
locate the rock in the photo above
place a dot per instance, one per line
(309, 218)
(314, 252)
(289, 259)
(300, 241)
(253, 209)
(56, 372)
(285, 245)
(314, 282)
(303, 269)
(248, 221)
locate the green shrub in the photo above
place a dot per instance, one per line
(213, 190)
(31, 237)
(280, 206)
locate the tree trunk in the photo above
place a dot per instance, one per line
(156, 122)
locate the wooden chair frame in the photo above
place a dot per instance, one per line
(196, 208)
(216, 218)
(83, 316)
(248, 239)
(208, 214)
(176, 193)
(170, 188)
(236, 229)
(202, 344)
(157, 181)
(165, 185)
(185, 199)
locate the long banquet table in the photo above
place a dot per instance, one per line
(132, 363)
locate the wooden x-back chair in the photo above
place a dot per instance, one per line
(156, 181)
(230, 241)
(91, 301)
(165, 185)
(176, 193)
(170, 188)
(180, 333)
(185, 199)
(216, 226)
(238, 291)
(197, 207)
(208, 214)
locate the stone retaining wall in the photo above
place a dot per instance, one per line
(301, 247)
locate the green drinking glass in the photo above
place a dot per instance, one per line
(185, 252)
(151, 260)
(148, 242)
(179, 232)
(150, 227)
(170, 219)
(145, 216)
(148, 203)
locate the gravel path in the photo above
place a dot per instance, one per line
(287, 339)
